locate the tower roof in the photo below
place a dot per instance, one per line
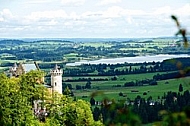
(56, 67)
(15, 65)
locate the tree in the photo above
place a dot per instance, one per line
(78, 87)
(92, 101)
(120, 94)
(16, 104)
(15, 99)
(118, 114)
(88, 84)
(180, 88)
(67, 91)
(153, 82)
(65, 111)
(96, 113)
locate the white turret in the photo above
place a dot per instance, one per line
(56, 79)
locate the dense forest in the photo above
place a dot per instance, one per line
(147, 109)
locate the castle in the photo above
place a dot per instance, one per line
(56, 74)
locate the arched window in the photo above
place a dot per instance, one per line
(55, 84)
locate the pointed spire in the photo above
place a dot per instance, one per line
(15, 65)
(56, 66)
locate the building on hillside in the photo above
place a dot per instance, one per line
(56, 83)
(17, 70)
(56, 75)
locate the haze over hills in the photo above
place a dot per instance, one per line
(92, 39)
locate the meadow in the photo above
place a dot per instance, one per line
(108, 90)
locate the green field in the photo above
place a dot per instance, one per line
(97, 44)
(154, 91)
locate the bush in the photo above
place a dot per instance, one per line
(120, 94)
(145, 93)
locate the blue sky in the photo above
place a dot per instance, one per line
(91, 18)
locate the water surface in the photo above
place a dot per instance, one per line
(137, 59)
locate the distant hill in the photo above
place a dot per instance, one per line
(93, 39)
(11, 42)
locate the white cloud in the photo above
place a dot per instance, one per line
(91, 21)
(73, 2)
(52, 22)
(47, 14)
(163, 10)
(117, 11)
(6, 14)
(183, 11)
(1, 19)
(129, 20)
(114, 11)
(37, 1)
(105, 2)
(106, 21)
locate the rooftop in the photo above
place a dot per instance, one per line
(29, 67)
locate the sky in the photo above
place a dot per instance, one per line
(91, 18)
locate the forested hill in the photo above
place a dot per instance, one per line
(16, 41)
(185, 61)
(11, 42)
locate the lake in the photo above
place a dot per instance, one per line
(137, 59)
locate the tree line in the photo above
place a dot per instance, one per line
(148, 110)
(128, 68)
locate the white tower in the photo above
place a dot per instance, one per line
(56, 79)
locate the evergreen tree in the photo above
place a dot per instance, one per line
(92, 101)
(88, 85)
(96, 113)
(180, 88)
(67, 91)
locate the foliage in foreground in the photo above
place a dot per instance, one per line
(16, 99)
(16, 104)
(65, 111)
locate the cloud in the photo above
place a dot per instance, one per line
(109, 21)
(47, 15)
(117, 11)
(114, 11)
(105, 2)
(183, 11)
(89, 22)
(37, 1)
(163, 10)
(73, 2)
(5, 14)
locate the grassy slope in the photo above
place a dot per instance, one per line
(154, 91)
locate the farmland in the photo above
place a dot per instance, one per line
(136, 83)
(113, 92)
(48, 52)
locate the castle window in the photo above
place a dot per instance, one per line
(55, 84)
